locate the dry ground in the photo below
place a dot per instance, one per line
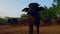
(9, 29)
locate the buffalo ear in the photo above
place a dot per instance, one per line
(41, 8)
(25, 10)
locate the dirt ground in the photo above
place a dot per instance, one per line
(10, 29)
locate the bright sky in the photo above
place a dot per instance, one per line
(12, 8)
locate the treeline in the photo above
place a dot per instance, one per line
(3, 20)
(12, 21)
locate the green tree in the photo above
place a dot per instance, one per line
(50, 12)
(43, 13)
(57, 2)
(24, 16)
(2, 20)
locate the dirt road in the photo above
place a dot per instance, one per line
(9, 29)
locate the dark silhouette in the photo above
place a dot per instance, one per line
(13, 21)
(46, 21)
(34, 11)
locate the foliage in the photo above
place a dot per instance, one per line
(2, 20)
(50, 12)
(24, 16)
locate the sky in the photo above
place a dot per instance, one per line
(12, 8)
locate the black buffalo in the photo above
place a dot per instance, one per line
(34, 11)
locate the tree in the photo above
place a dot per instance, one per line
(23, 19)
(57, 2)
(2, 20)
(24, 16)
